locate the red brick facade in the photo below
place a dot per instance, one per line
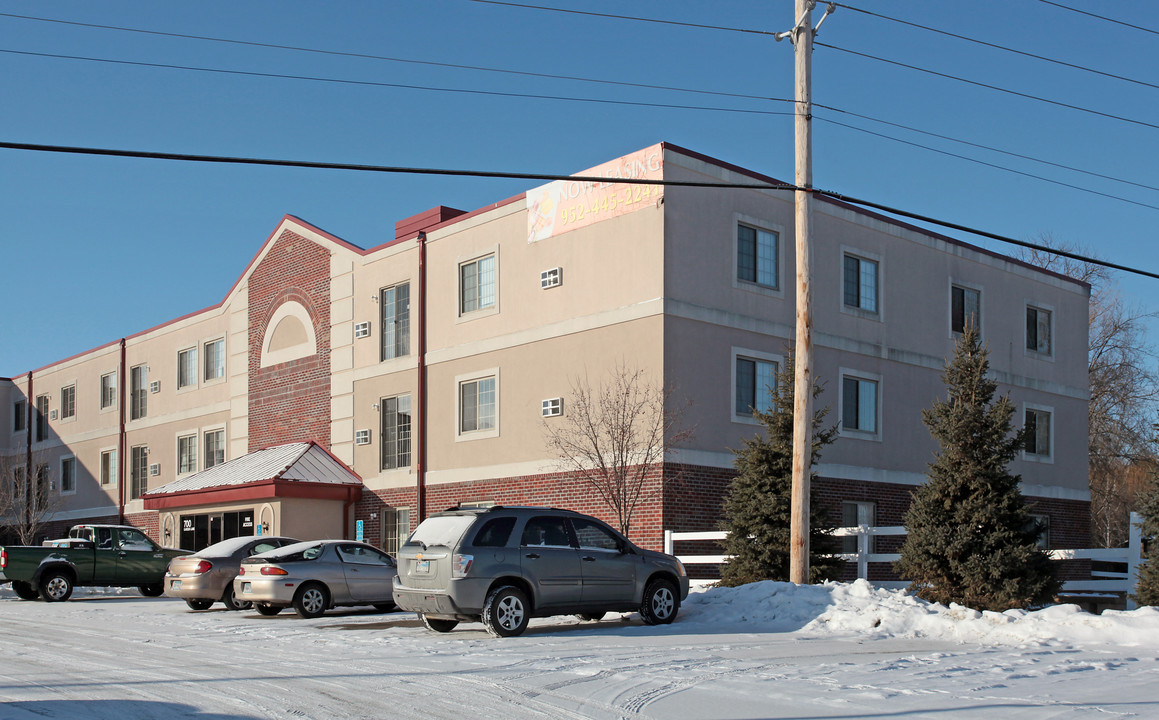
(290, 402)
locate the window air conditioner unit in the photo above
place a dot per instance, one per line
(155, 469)
(51, 414)
(155, 386)
(361, 437)
(552, 407)
(551, 278)
(361, 330)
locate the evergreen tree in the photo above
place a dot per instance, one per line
(758, 504)
(970, 537)
(1147, 591)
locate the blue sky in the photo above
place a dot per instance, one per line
(98, 248)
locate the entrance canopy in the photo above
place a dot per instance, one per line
(297, 470)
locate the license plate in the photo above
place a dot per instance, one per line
(423, 567)
(246, 587)
(175, 585)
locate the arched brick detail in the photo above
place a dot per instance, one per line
(290, 402)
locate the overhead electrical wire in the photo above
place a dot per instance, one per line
(1101, 17)
(527, 6)
(1015, 51)
(218, 159)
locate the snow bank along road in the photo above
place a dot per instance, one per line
(768, 650)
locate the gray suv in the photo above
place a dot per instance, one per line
(505, 565)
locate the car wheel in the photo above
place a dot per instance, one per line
(25, 590)
(311, 600)
(56, 586)
(231, 601)
(151, 590)
(591, 617)
(198, 604)
(506, 612)
(660, 602)
(438, 624)
(384, 607)
(268, 610)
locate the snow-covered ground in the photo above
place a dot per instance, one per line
(768, 650)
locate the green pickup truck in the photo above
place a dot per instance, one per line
(102, 555)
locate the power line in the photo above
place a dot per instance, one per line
(218, 159)
(1101, 17)
(987, 164)
(623, 17)
(995, 46)
(990, 87)
(403, 86)
(368, 56)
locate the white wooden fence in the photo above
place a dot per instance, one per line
(1100, 582)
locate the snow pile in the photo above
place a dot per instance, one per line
(859, 609)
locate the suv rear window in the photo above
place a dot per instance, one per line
(495, 532)
(442, 530)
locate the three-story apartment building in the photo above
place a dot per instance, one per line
(424, 368)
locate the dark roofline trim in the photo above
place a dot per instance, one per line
(252, 491)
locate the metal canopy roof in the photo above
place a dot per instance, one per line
(305, 462)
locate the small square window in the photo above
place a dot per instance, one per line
(477, 405)
(187, 454)
(214, 448)
(477, 285)
(1038, 330)
(756, 256)
(859, 404)
(755, 381)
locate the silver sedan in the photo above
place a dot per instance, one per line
(317, 575)
(206, 576)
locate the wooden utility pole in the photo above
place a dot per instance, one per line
(803, 357)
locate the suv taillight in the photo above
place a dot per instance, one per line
(461, 565)
(3, 559)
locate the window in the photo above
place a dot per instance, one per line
(1038, 330)
(214, 448)
(395, 528)
(860, 283)
(595, 536)
(43, 486)
(855, 514)
(546, 531)
(68, 402)
(108, 466)
(18, 475)
(68, 475)
(186, 454)
(965, 307)
(138, 392)
(477, 405)
(1043, 524)
(495, 532)
(1038, 431)
(187, 368)
(477, 285)
(859, 404)
(395, 304)
(42, 417)
(755, 381)
(395, 432)
(108, 390)
(756, 256)
(138, 471)
(215, 359)
(19, 416)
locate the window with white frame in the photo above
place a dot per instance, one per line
(68, 402)
(395, 528)
(396, 431)
(187, 454)
(395, 306)
(108, 466)
(859, 283)
(138, 471)
(187, 367)
(1038, 327)
(108, 390)
(138, 392)
(214, 359)
(856, 514)
(477, 411)
(214, 448)
(756, 256)
(755, 381)
(1037, 440)
(42, 417)
(965, 308)
(477, 285)
(67, 475)
(859, 404)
